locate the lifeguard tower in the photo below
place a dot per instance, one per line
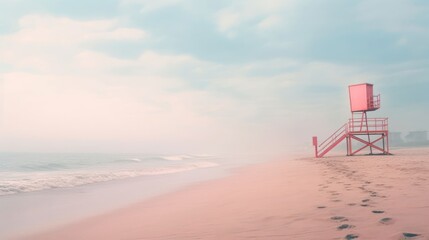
(366, 132)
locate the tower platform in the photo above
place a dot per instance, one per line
(373, 133)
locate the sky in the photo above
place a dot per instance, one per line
(192, 76)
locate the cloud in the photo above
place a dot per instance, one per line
(149, 5)
(49, 43)
(147, 63)
(155, 60)
(270, 22)
(47, 29)
(263, 14)
(120, 34)
(88, 59)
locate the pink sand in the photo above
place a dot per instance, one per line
(289, 199)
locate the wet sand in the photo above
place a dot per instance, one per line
(361, 197)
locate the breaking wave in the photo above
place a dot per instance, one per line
(186, 157)
(62, 179)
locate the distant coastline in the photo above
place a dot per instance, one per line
(412, 139)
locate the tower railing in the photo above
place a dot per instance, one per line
(374, 102)
(357, 125)
(331, 140)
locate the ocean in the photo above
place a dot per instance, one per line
(28, 172)
(43, 191)
(40, 191)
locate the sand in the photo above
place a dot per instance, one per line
(361, 197)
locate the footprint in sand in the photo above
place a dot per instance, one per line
(377, 211)
(321, 207)
(339, 218)
(351, 236)
(345, 226)
(410, 235)
(364, 205)
(365, 200)
(386, 221)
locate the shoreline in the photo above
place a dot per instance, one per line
(369, 197)
(32, 212)
(27, 213)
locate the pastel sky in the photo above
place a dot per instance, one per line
(193, 76)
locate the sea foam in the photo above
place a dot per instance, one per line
(19, 182)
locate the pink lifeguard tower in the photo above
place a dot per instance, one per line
(374, 130)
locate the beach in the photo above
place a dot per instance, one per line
(359, 197)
